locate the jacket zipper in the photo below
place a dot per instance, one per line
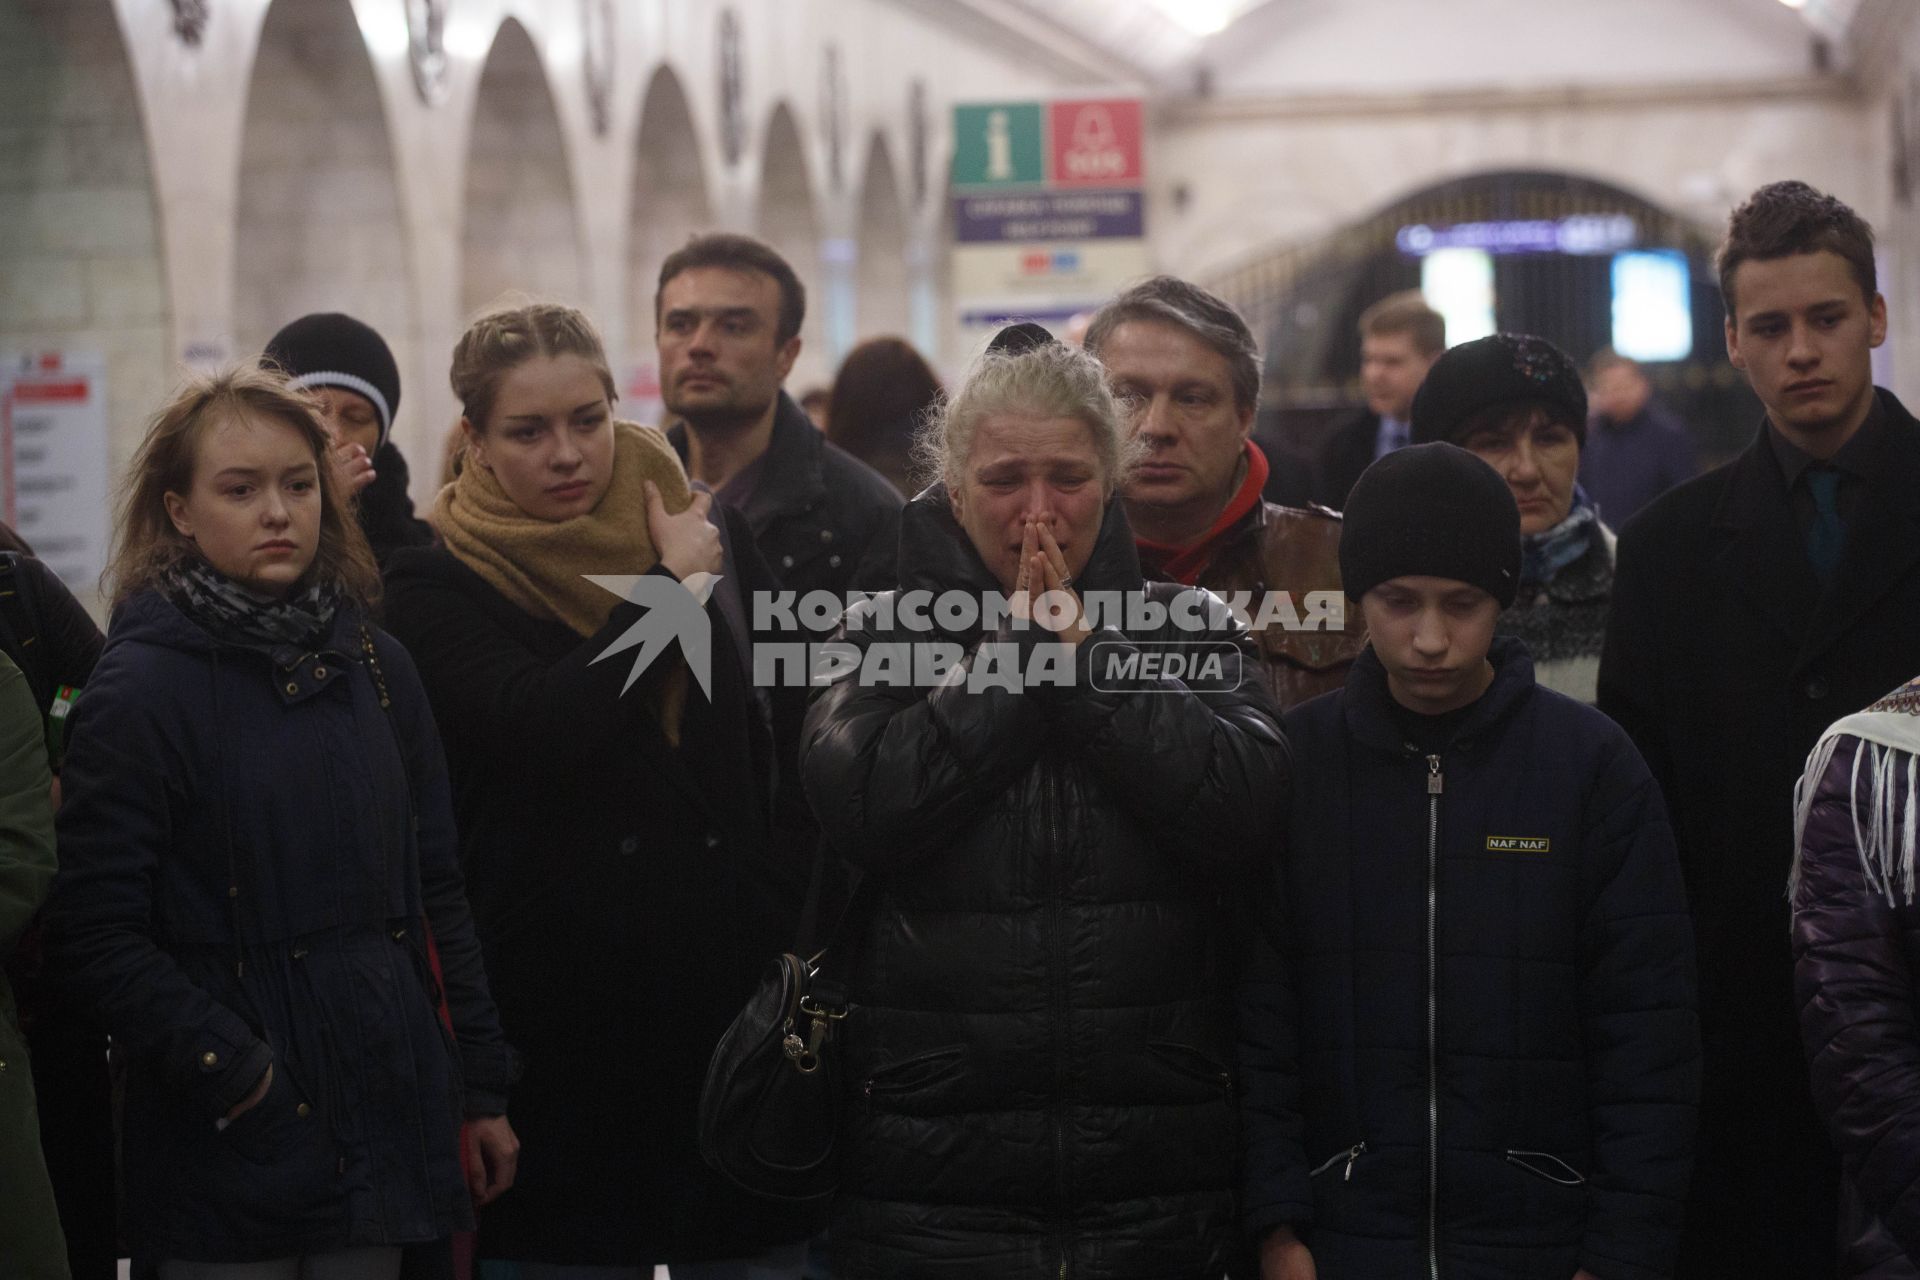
(1351, 1154)
(1056, 911)
(1436, 783)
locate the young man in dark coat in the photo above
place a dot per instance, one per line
(1752, 607)
(1474, 1053)
(1185, 367)
(729, 310)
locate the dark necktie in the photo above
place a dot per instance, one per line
(1826, 536)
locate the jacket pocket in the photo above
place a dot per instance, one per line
(1546, 1165)
(1195, 1064)
(895, 1083)
(277, 1125)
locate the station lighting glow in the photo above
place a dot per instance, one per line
(1458, 283)
(1200, 17)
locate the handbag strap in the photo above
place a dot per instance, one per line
(816, 941)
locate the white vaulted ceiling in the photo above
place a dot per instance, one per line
(1264, 47)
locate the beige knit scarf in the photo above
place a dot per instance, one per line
(539, 564)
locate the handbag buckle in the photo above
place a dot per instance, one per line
(805, 1055)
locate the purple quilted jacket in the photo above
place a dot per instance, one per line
(1857, 982)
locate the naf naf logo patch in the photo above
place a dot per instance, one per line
(1519, 844)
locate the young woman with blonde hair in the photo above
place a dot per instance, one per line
(617, 840)
(255, 838)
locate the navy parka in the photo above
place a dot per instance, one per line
(1475, 1046)
(252, 849)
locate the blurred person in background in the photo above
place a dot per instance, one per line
(879, 396)
(1636, 449)
(1752, 607)
(616, 840)
(1187, 375)
(817, 403)
(1518, 403)
(351, 374)
(256, 835)
(1400, 338)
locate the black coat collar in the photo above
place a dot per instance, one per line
(791, 480)
(1762, 552)
(1369, 709)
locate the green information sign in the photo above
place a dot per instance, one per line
(998, 144)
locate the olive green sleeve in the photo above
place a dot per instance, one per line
(26, 808)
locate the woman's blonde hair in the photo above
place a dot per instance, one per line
(146, 545)
(1051, 380)
(502, 339)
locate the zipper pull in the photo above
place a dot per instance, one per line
(1435, 783)
(1353, 1155)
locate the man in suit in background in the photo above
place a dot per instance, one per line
(1400, 338)
(1752, 607)
(1636, 448)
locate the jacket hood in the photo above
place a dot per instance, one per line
(1369, 703)
(937, 555)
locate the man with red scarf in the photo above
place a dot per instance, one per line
(1184, 364)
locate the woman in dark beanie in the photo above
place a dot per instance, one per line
(1518, 402)
(351, 374)
(255, 836)
(1475, 1054)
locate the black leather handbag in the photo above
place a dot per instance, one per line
(770, 1108)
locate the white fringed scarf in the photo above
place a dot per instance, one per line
(1888, 765)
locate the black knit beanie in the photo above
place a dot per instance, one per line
(1431, 510)
(1504, 368)
(333, 350)
(1019, 339)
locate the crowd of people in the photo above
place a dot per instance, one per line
(1460, 917)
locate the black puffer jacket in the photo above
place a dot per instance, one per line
(1042, 1028)
(1856, 957)
(1478, 1057)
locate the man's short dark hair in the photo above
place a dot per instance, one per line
(1606, 358)
(739, 253)
(1786, 218)
(1406, 312)
(1187, 307)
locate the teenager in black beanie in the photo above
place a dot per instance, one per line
(350, 371)
(1469, 1046)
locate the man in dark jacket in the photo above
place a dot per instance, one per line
(1636, 449)
(1400, 338)
(1184, 364)
(729, 310)
(1474, 1054)
(1752, 607)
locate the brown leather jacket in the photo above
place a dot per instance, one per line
(1296, 550)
